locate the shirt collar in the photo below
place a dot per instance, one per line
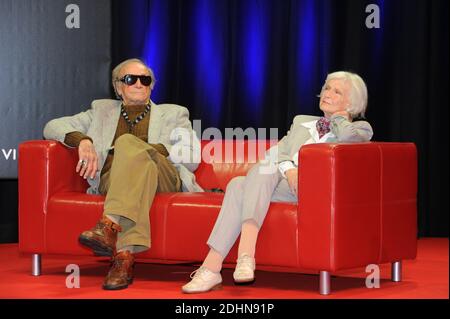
(311, 126)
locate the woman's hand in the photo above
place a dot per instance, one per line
(87, 165)
(344, 114)
(292, 178)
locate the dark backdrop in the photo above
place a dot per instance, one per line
(47, 70)
(257, 63)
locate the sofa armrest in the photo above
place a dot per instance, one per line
(357, 204)
(44, 168)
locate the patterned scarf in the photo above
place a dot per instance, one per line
(323, 126)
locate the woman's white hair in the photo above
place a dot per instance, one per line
(116, 72)
(358, 92)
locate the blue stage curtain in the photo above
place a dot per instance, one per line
(258, 63)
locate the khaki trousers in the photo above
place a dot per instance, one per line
(137, 172)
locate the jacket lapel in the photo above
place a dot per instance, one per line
(311, 127)
(109, 125)
(154, 127)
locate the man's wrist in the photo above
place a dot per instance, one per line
(86, 139)
(74, 139)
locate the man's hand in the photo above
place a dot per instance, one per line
(87, 165)
(292, 178)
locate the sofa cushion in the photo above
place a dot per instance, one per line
(224, 159)
(191, 218)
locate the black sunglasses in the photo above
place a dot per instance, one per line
(131, 79)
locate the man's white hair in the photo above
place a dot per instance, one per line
(116, 72)
(358, 92)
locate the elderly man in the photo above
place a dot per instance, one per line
(343, 100)
(129, 149)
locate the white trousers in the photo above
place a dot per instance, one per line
(247, 198)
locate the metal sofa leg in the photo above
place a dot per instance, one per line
(36, 264)
(396, 271)
(325, 283)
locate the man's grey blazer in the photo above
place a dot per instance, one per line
(343, 130)
(169, 125)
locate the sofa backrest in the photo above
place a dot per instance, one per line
(224, 159)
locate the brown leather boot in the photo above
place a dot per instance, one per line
(120, 274)
(102, 237)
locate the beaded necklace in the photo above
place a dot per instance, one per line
(137, 120)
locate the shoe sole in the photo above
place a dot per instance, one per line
(107, 287)
(98, 253)
(216, 287)
(98, 248)
(244, 282)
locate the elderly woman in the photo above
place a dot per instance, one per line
(343, 98)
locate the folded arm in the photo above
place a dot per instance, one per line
(346, 131)
(58, 129)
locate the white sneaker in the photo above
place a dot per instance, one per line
(203, 280)
(245, 270)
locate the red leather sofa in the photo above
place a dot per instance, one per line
(357, 206)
